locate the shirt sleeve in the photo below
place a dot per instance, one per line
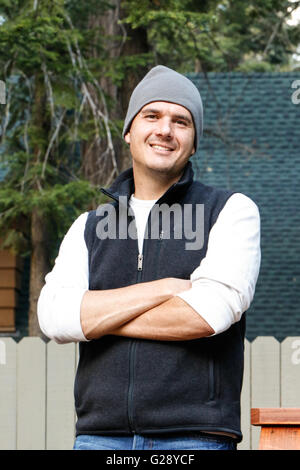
(60, 299)
(223, 285)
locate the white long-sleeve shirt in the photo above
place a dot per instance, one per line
(223, 284)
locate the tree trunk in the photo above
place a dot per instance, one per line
(94, 169)
(39, 267)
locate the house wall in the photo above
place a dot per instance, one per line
(10, 284)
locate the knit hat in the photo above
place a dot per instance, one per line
(164, 84)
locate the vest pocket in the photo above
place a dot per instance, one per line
(211, 379)
(186, 372)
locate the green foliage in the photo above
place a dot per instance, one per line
(120, 66)
(217, 36)
(43, 120)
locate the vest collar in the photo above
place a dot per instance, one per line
(124, 185)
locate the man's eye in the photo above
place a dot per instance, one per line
(151, 116)
(181, 123)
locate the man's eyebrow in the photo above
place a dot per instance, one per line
(150, 110)
(176, 116)
(183, 117)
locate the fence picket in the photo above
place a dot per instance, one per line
(290, 372)
(8, 390)
(265, 377)
(76, 365)
(60, 401)
(245, 401)
(31, 394)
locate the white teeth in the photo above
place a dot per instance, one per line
(160, 148)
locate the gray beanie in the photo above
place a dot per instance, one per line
(164, 84)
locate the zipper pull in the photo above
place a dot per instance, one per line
(140, 262)
(161, 235)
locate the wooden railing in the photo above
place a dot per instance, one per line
(37, 379)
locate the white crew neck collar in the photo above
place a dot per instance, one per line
(142, 202)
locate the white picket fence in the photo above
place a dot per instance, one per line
(37, 379)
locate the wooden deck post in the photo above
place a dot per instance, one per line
(280, 428)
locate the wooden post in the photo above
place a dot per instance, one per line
(280, 428)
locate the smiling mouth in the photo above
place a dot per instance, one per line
(161, 148)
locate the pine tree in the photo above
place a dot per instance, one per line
(49, 110)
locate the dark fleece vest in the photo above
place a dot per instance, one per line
(125, 385)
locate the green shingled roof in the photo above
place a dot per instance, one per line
(251, 144)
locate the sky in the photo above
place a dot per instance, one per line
(295, 17)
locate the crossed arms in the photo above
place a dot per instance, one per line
(148, 310)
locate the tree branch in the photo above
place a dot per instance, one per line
(54, 135)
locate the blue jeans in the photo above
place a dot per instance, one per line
(192, 441)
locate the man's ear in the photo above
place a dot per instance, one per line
(127, 137)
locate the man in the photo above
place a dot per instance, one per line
(160, 321)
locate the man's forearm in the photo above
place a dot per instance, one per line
(107, 310)
(172, 320)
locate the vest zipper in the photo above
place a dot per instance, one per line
(133, 342)
(132, 358)
(140, 262)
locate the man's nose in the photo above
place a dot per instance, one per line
(164, 127)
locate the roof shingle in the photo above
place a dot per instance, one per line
(251, 145)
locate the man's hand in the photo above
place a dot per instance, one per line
(105, 311)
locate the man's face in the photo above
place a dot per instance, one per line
(161, 138)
